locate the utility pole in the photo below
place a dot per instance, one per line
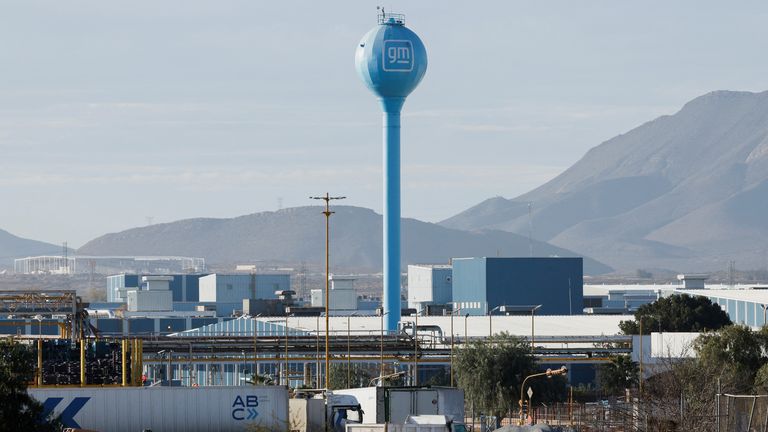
(327, 198)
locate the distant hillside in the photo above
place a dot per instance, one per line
(298, 234)
(12, 247)
(687, 191)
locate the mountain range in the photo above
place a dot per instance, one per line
(298, 234)
(12, 246)
(687, 191)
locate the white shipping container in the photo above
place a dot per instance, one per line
(169, 409)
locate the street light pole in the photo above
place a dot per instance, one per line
(349, 361)
(327, 198)
(381, 358)
(549, 373)
(255, 352)
(490, 315)
(533, 314)
(416, 349)
(285, 361)
(640, 320)
(452, 313)
(317, 356)
(466, 336)
(39, 319)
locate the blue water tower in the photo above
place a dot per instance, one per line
(391, 61)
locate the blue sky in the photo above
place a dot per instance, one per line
(114, 111)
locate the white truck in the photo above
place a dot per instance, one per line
(393, 405)
(423, 423)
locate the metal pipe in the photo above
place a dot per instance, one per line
(82, 362)
(123, 363)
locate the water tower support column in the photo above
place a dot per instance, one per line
(391, 234)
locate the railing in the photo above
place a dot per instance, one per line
(391, 18)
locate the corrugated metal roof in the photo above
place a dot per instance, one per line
(544, 325)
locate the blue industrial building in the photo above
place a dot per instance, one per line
(185, 287)
(228, 291)
(481, 285)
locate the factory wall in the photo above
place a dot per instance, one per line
(481, 284)
(469, 285)
(749, 313)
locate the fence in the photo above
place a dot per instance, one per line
(742, 413)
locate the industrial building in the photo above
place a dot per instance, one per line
(744, 303)
(184, 287)
(429, 285)
(227, 291)
(342, 295)
(484, 285)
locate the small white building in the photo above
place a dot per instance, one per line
(154, 295)
(692, 281)
(429, 284)
(342, 295)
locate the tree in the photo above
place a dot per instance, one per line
(257, 379)
(359, 376)
(732, 359)
(18, 410)
(677, 313)
(491, 372)
(621, 373)
(734, 355)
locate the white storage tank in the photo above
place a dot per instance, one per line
(168, 409)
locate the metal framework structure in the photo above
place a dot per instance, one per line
(60, 264)
(52, 304)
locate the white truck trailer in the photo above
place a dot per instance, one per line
(168, 409)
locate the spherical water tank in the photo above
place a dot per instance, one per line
(390, 58)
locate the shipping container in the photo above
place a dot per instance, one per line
(169, 409)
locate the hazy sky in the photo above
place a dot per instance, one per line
(114, 111)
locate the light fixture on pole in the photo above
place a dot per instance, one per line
(327, 198)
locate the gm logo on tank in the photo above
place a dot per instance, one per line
(398, 56)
